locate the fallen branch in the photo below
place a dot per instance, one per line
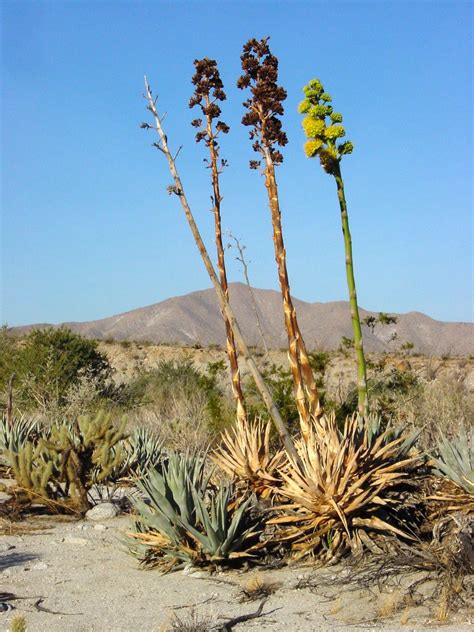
(230, 623)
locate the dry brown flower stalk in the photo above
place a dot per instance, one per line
(209, 90)
(264, 106)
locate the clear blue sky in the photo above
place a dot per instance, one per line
(88, 229)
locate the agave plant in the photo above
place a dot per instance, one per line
(344, 486)
(15, 435)
(142, 451)
(455, 460)
(245, 455)
(185, 521)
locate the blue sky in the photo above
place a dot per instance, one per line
(88, 229)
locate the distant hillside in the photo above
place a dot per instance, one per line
(195, 319)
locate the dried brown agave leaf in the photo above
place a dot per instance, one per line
(338, 484)
(245, 454)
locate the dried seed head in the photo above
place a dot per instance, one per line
(260, 74)
(209, 90)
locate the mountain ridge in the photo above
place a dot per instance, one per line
(195, 319)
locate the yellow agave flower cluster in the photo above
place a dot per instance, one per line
(322, 127)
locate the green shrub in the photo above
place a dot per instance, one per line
(177, 391)
(47, 364)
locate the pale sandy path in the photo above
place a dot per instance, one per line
(84, 571)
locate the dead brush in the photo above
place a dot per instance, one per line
(256, 588)
(346, 486)
(192, 622)
(245, 455)
(447, 562)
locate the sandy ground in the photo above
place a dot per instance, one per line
(84, 575)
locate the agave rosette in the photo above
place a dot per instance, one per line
(454, 467)
(246, 455)
(187, 521)
(338, 488)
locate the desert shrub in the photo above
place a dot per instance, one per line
(280, 381)
(389, 391)
(440, 407)
(185, 405)
(48, 365)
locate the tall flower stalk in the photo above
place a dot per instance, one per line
(207, 95)
(323, 129)
(177, 189)
(265, 106)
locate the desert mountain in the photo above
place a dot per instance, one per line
(195, 319)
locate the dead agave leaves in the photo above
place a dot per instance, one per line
(245, 455)
(448, 498)
(337, 488)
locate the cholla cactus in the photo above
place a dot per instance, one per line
(61, 467)
(323, 129)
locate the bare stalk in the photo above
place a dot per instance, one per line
(241, 258)
(178, 190)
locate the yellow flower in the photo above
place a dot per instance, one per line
(304, 106)
(334, 131)
(313, 127)
(311, 147)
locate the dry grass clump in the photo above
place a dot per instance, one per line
(345, 486)
(439, 572)
(18, 624)
(245, 454)
(257, 587)
(192, 622)
(443, 406)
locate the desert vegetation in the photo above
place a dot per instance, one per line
(283, 462)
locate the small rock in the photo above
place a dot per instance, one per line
(192, 571)
(83, 527)
(6, 546)
(100, 527)
(13, 570)
(39, 566)
(102, 511)
(78, 541)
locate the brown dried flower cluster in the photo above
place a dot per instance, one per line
(265, 105)
(209, 90)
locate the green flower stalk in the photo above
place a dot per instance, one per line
(323, 130)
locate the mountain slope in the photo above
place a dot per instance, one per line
(195, 319)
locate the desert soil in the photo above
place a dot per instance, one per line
(88, 582)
